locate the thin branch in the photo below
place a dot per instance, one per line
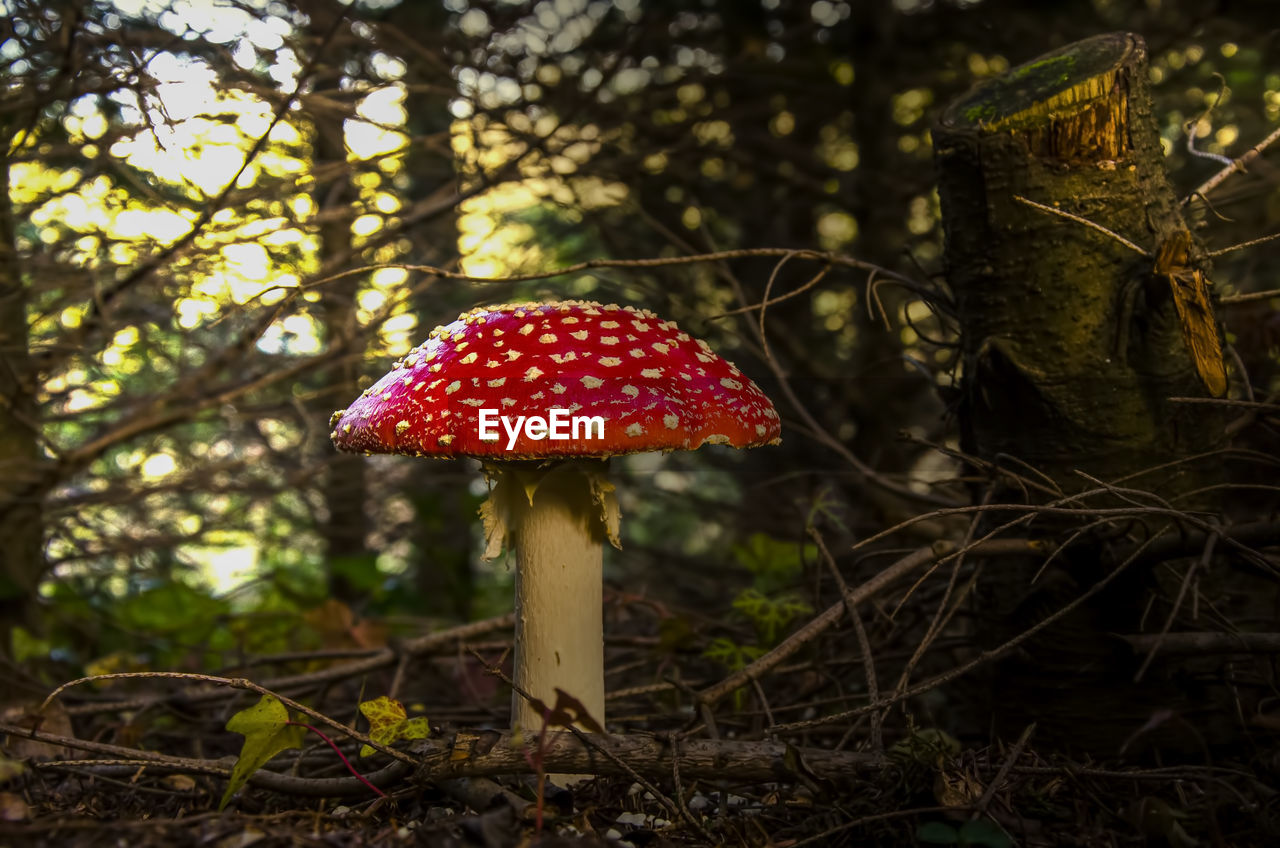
(1084, 222)
(1239, 164)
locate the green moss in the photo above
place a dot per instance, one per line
(1046, 70)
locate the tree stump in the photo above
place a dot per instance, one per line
(1072, 347)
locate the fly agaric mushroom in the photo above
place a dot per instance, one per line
(541, 394)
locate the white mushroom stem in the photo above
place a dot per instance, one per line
(555, 518)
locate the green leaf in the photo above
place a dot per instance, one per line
(985, 833)
(388, 723)
(730, 654)
(770, 615)
(774, 562)
(937, 833)
(266, 732)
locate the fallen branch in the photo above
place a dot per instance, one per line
(467, 754)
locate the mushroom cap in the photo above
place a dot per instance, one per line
(655, 387)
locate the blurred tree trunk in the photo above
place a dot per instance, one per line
(343, 486)
(444, 514)
(1058, 376)
(21, 482)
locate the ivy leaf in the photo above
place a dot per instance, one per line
(266, 731)
(388, 723)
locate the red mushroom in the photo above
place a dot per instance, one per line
(541, 393)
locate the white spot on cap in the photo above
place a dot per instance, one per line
(547, 338)
(640, 326)
(716, 439)
(533, 373)
(636, 352)
(631, 391)
(401, 426)
(608, 340)
(472, 401)
(635, 429)
(592, 382)
(513, 355)
(609, 325)
(672, 421)
(730, 383)
(761, 429)
(452, 387)
(526, 329)
(445, 440)
(651, 373)
(660, 347)
(610, 361)
(568, 319)
(580, 335)
(558, 389)
(469, 358)
(508, 401)
(493, 384)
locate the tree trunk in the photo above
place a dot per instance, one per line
(343, 486)
(1072, 350)
(441, 557)
(21, 481)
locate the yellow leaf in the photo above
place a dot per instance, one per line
(388, 723)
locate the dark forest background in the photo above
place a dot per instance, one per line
(221, 221)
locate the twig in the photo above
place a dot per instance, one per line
(416, 646)
(828, 617)
(985, 656)
(1249, 297)
(839, 259)
(1084, 222)
(1206, 643)
(994, 784)
(864, 644)
(1201, 563)
(233, 683)
(1241, 162)
(1242, 245)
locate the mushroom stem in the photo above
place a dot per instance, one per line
(559, 635)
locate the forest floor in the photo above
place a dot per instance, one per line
(789, 758)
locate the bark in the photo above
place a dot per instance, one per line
(1040, 297)
(1058, 374)
(22, 482)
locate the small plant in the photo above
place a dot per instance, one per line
(769, 603)
(979, 833)
(268, 730)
